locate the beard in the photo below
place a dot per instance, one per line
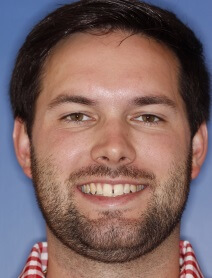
(111, 238)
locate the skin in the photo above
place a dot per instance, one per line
(113, 133)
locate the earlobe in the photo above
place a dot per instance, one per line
(199, 149)
(22, 146)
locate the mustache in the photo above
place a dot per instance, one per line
(104, 171)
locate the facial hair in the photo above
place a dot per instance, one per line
(111, 238)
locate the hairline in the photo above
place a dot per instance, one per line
(102, 32)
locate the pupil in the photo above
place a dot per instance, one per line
(77, 117)
(149, 118)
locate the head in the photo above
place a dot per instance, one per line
(108, 100)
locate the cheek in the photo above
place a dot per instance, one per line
(159, 151)
(69, 150)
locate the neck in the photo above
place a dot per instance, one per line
(162, 262)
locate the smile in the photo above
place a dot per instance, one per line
(109, 190)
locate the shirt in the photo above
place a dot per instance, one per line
(36, 265)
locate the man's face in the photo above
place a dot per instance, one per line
(111, 150)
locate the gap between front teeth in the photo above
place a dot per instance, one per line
(109, 190)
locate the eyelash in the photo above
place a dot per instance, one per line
(68, 119)
(154, 119)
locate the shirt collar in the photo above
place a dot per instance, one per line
(38, 259)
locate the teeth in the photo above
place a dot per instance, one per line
(99, 189)
(126, 188)
(139, 187)
(87, 188)
(133, 188)
(118, 189)
(93, 188)
(109, 190)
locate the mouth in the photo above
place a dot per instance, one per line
(111, 190)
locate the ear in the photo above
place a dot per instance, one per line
(199, 149)
(22, 146)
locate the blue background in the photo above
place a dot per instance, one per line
(21, 224)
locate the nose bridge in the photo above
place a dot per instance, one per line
(113, 144)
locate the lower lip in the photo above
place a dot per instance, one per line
(112, 201)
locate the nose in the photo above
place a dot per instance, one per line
(113, 146)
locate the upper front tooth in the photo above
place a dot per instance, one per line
(99, 190)
(118, 189)
(107, 190)
(126, 188)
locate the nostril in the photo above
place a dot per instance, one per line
(105, 158)
(122, 158)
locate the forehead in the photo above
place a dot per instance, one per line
(117, 62)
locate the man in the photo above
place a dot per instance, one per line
(111, 100)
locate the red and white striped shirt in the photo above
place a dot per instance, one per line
(36, 265)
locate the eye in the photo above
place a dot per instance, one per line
(148, 119)
(76, 117)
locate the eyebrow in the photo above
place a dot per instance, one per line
(150, 100)
(138, 101)
(64, 98)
